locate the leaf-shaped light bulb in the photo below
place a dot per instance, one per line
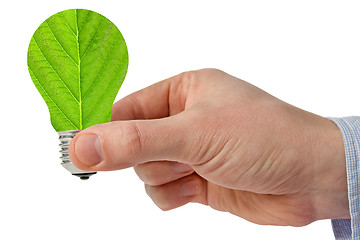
(77, 60)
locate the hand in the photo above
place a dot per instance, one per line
(208, 137)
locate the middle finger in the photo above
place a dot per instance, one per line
(160, 172)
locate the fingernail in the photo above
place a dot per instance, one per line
(88, 149)
(190, 188)
(180, 167)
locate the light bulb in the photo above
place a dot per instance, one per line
(77, 60)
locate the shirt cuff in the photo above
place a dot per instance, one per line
(349, 229)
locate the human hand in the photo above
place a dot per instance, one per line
(208, 137)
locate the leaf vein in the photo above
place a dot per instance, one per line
(101, 69)
(92, 39)
(57, 40)
(67, 24)
(102, 96)
(55, 71)
(83, 23)
(51, 99)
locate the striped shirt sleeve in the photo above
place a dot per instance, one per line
(349, 229)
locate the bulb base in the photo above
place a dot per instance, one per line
(65, 139)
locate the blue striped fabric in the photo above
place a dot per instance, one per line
(349, 229)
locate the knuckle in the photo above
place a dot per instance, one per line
(214, 70)
(139, 171)
(184, 80)
(192, 80)
(158, 197)
(133, 139)
(163, 203)
(148, 176)
(137, 109)
(153, 180)
(165, 208)
(189, 75)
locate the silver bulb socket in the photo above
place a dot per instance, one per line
(65, 139)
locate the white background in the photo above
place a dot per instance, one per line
(304, 52)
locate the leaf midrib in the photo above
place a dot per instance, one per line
(79, 72)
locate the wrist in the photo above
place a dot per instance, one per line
(330, 190)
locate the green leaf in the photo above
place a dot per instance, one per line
(78, 60)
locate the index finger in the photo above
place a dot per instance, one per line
(159, 100)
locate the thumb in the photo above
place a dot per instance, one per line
(122, 144)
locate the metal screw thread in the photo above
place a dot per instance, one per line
(65, 139)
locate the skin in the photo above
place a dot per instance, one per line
(207, 137)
